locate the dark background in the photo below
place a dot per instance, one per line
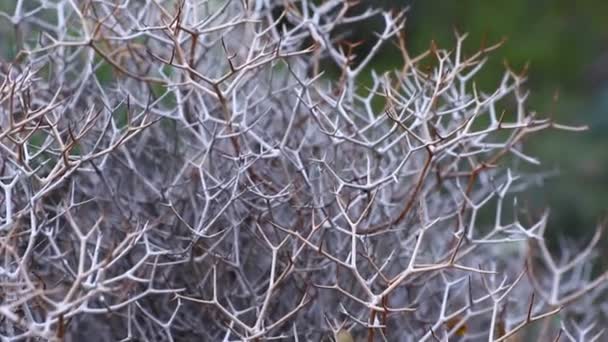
(566, 46)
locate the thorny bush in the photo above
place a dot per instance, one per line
(182, 170)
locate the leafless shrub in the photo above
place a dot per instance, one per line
(182, 170)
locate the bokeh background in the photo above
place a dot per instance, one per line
(565, 44)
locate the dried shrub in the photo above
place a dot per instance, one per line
(183, 170)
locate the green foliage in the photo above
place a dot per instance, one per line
(561, 41)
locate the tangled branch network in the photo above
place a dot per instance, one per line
(177, 170)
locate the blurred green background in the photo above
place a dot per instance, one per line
(566, 45)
